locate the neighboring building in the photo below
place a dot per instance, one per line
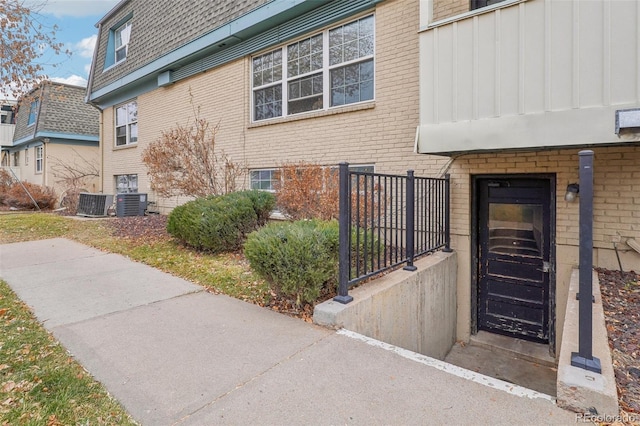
(7, 127)
(511, 91)
(320, 81)
(55, 128)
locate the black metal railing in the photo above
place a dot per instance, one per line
(387, 221)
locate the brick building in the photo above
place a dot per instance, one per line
(213, 61)
(54, 126)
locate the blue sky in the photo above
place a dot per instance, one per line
(76, 21)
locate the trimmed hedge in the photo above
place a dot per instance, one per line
(296, 258)
(220, 223)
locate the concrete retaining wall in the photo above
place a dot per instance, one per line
(412, 310)
(578, 389)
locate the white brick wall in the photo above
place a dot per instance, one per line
(380, 132)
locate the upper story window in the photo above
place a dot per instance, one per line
(445, 9)
(328, 69)
(127, 124)
(477, 4)
(39, 158)
(6, 115)
(122, 36)
(33, 112)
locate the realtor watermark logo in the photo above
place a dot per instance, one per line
(624, 418)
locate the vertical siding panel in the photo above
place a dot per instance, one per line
(475, 68)
(436, 77)
(486, 65)
(497, 82)
(547, 55)
(623, 53)
(522, 53)
(536, 60)
(445, 74)
(576, 55)
(606, 53)
(427, 81)
(591, 53)
(454, 72)
(466, 95)
(561, 60)
(510, 58)
(624, 45)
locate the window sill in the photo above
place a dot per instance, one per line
(128, 146)
(470, 14)
(315, 114)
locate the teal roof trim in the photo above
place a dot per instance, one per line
(59, 137)
(266, 26)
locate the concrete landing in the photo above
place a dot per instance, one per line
(515, 361)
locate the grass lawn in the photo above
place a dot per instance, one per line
(39, 382)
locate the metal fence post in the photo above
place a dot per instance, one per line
(344, 220)
(410, 215)
(584, 357)
(447, 214)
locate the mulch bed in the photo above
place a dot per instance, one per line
(621, 303)
(135, 227)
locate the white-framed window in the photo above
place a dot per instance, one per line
(16, 159)
(39, 158)
(126, 184)
(127, 124)
(264, 179)
(331, 68)
(26, 156)
(122, 35)
(33, 112)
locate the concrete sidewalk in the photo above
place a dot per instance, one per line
(174, 354)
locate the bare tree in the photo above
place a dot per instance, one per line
(74, 177)
(24, 41)
(184, 161)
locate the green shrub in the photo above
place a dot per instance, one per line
(297, 259)
(219, 223)
(263, 203)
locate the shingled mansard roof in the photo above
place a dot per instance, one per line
(62, 114)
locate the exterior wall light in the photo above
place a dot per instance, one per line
(572, 192)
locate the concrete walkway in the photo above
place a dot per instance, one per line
(174, 354)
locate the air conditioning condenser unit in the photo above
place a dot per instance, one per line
(94, 205)
(131, 204)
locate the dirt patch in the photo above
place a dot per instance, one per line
(621, 303)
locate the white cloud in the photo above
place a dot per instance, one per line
(85, 46)
(87, 68)
(78, 7)
(75, 80)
